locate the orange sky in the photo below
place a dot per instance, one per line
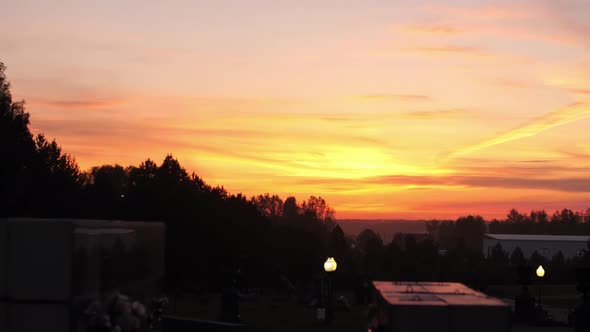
(402, 109)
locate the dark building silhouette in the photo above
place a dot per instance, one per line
(48, 266)
(437, 306)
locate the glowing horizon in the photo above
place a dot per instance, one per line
(387, 111)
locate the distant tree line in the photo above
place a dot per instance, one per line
(564, 222)
(462, 240)
(469, 230)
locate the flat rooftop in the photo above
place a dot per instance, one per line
(90, 223)
(433, 294)
(103, 231)
(531, 237)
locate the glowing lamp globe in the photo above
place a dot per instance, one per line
(540, 271)
(330, 265)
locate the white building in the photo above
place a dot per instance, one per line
(546, 245)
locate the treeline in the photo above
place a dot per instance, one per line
(469, 230)
(421, 257)
(462, 241)
(466, 232)
(564, 222)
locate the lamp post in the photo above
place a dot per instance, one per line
(330, 266)
(540, 274)
(582, 313)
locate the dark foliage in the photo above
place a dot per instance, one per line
(517, 257)
(564, 222)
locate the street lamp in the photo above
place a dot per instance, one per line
(330, 266)
(540, 275)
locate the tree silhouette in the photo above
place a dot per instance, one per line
(558, 259)
(498, 255)
(36, 177)
(471, 230)
(316, 208)
(517, 257)
(537, 259)
(17, 151)
(338, 244)
(142, 195)
(269, 206)
(565, 221)
(290, 209)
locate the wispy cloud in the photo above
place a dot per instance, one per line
(520, 169)
(572, 184)
(581, 91)
(560, 184)
(451, 113)
(439, 29)
(122, 137)
(126, 131)
(485, 12)
(450, 49)
(576, 154)
(76, 104)
(508, 83)
(509, 22)
(550, 120)
(396, 97)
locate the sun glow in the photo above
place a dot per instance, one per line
(388, 114)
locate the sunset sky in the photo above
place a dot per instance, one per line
(388, 109)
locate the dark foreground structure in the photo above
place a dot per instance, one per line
(48, 267)
(436, 306)
(183, 324)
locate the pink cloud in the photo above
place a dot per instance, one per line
(443, 29)
(451, 50)
(532, 181)
(403, 97)
(77, 104)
